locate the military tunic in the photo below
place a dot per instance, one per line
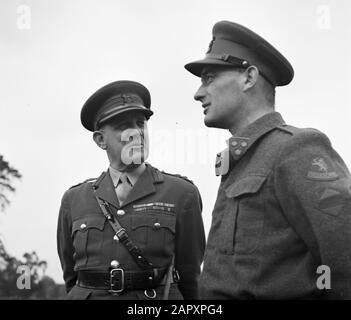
(162, 216)
(283, 209)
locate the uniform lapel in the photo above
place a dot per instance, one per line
(105, 190)
(143, 187)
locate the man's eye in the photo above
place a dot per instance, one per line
(208, 78)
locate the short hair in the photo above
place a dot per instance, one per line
(267, 88)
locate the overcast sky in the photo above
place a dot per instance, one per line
(55, 54)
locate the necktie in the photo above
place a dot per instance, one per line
(123, 188)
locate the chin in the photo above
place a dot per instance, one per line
(208, 122)
(212, 123)
(137, 158)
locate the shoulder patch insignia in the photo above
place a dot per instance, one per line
(320, 169)
(335, 197)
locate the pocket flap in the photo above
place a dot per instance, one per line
(156, 222)
(249, 184)
(89, 222)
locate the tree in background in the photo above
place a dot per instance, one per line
(7, 175)
(41, 286)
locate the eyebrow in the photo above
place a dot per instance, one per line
(205, 72)
(210, 71)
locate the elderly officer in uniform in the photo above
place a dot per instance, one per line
(282, 218)
(135, 232)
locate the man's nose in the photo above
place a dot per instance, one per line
(133, 133)
(199, 94)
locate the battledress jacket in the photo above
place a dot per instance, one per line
(282, 218)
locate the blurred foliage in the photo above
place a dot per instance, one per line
(12, 274)
(7, 175)
(41, 286)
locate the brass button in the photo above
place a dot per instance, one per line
(114, 264)
(115, 237)
(157, 225)
(244, 144)
(83, 226)
(234, 143)
(120, 212)
(238, 152)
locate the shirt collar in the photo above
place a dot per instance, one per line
(133, 175)
(245, 138)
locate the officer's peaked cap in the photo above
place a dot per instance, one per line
(235, 45)
(114, 99)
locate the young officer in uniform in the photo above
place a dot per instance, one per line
(281, 226)
(134, 232)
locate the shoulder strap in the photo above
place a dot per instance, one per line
(178, 176)
(123, 237)
(80, 183)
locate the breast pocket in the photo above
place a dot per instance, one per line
(244, 215)
(87, 234)
(153, 229)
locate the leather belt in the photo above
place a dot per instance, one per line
(118, 279)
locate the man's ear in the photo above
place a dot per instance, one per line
(99, 139)
(252, 74)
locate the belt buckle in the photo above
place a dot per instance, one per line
(120, 275)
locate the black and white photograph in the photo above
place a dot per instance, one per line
(175, 150)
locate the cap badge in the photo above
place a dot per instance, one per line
(126, 99)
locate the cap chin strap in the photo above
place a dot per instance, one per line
(229, 58)
(115, 110)
(237, 62)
